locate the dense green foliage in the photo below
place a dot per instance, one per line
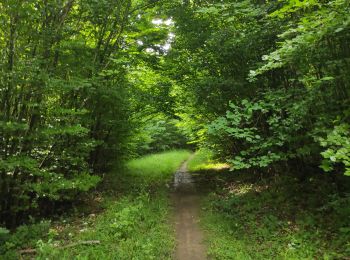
(26, 236)
(87, 85)
(266, 82)
(76, 88)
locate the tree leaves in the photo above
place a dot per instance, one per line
(267, 80)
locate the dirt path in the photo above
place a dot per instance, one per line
(189, 238)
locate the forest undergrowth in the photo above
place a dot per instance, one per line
(271, 216)
(127, 219)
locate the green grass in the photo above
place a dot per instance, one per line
(156, 168)
(203, 160)
(248, 216)
(134, 223)
(251, 223)
(130, 228)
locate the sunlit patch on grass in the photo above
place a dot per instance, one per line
(211, 167)
(203, 161)
(240, 189)
(217, 166)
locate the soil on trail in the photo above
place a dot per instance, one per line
(189, 238)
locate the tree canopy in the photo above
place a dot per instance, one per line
(87, 84)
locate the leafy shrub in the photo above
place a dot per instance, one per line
(262, 133)
(25, 236)
(337, 143)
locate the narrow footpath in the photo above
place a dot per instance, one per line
(189, 237)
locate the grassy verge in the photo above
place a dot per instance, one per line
(130, 228)
(133, 224)
(274, 217)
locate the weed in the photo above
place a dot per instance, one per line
(274, 217)
(135, 223)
